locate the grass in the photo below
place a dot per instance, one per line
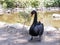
(46, 18)
(11, 18)
(14, 18)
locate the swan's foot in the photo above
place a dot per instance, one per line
(31, 38)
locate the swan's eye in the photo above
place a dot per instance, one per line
(32, 13)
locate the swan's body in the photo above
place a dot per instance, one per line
(36, 28)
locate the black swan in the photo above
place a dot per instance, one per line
(37, 28)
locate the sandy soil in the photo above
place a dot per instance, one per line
(14, 36)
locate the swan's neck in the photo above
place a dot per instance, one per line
(35, 19)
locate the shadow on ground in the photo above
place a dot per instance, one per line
(13, 36)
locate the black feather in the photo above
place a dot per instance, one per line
(37, 28)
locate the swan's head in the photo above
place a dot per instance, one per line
(33, 12)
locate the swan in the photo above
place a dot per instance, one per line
(37, 28)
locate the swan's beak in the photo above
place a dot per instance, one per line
(31, 15)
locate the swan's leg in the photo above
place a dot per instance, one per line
(39, 37)
(31, 38)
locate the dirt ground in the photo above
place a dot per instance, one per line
(13, 36)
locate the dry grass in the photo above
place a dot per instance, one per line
(46, 18)
(13, 18)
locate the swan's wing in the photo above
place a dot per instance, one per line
(39, 28)
(36, 29)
